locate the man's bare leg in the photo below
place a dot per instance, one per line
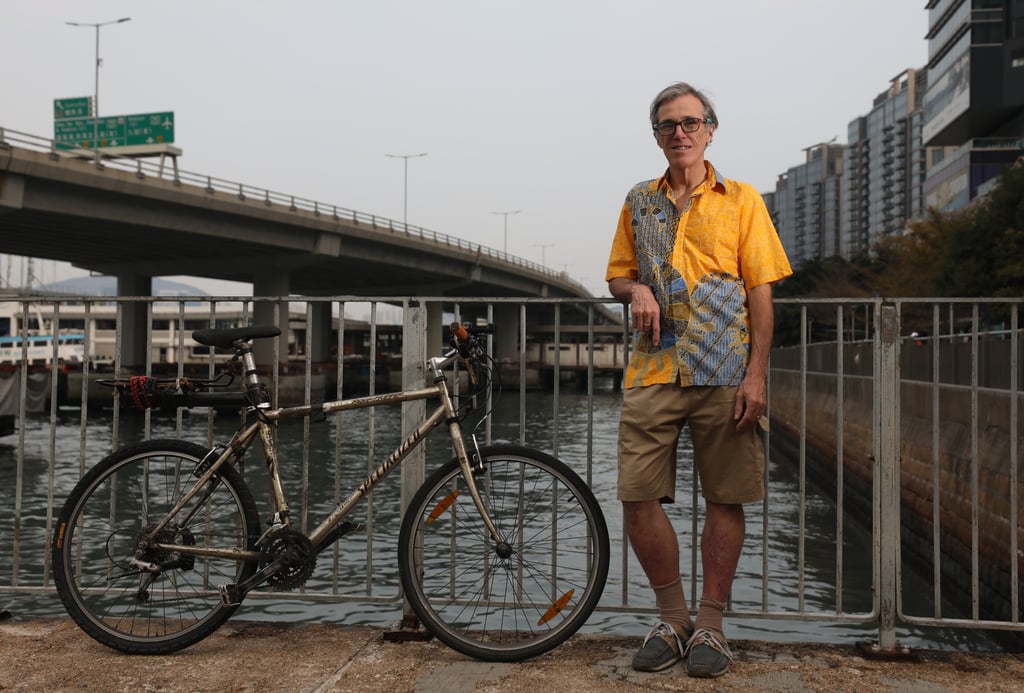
(653, 539)
(721, 543)
(657, 548)
(720, 547)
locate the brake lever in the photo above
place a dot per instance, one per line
(466, 346)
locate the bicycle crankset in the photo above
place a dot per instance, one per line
(293, 554)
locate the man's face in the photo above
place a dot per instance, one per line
(684, 149)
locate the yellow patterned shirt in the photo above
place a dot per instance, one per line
(699, 261)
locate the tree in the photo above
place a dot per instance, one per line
(924, 262)
(975, 252)
(1002, 214)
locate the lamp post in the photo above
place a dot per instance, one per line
(543, 247)
(96, 91)
(405, 194)
(505, 214)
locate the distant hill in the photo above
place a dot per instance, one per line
(107, 286)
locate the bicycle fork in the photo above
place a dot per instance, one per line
(470, 465)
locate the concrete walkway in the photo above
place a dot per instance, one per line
(54, 655)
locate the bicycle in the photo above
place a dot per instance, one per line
(158, 543)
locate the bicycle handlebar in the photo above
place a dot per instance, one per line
(464, 337)
(465, 340)
(459, 331)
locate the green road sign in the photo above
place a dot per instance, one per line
(77, 107)
(115, 131)
(73, 132)
(149, 128)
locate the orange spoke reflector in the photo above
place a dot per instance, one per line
(442, 506)
(556, 607)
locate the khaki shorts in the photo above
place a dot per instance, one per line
(730, 464)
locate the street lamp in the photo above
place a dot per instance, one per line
(405, 195)
(505, 214)
(542, 247)
(96, 92)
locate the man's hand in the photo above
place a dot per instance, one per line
(752, 394)
(751, 400)
(646, 312)
(643, 308)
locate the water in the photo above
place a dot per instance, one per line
(357, 583)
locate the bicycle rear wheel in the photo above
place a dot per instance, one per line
(514, 600)
(144, 600)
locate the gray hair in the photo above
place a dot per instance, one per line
(674, 91)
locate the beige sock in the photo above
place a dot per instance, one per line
(709, 616)
(672, 607)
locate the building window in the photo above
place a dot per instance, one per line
(987, 33)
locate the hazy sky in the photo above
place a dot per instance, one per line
(533, 105)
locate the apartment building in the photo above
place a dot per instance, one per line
(974, 104)
(937, 137)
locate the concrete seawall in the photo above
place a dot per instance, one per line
(923, 466)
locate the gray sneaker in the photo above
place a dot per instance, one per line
(661, 649)
(707, 655)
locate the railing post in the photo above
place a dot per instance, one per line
(887, 472)
(414, 358)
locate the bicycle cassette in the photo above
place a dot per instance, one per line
(293, 554)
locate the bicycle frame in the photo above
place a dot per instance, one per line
(445, 413)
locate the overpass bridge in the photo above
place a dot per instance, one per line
(135, 220)
(125, 217)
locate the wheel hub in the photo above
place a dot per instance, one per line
(503, 549)
(165, 558)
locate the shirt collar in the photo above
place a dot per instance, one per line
(715, 179)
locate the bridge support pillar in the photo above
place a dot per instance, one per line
(320, 331)
(437, 330)
(270, 313)
(506, 333)
(133, 322)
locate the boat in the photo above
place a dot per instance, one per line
(27, 338)
(38, 350)
(25, 344)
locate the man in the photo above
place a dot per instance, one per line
(694, 256)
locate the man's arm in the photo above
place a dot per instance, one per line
(752, 395)
(643, 308)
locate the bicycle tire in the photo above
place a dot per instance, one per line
(96, 532)
(512, 608)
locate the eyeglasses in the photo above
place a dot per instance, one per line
(668, 127)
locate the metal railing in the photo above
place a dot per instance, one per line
(934, 486)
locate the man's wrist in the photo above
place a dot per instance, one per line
(755, 372)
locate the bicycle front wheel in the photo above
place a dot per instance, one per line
(135, 597)
(523, 595)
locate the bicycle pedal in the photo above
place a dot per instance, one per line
(230, 595)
